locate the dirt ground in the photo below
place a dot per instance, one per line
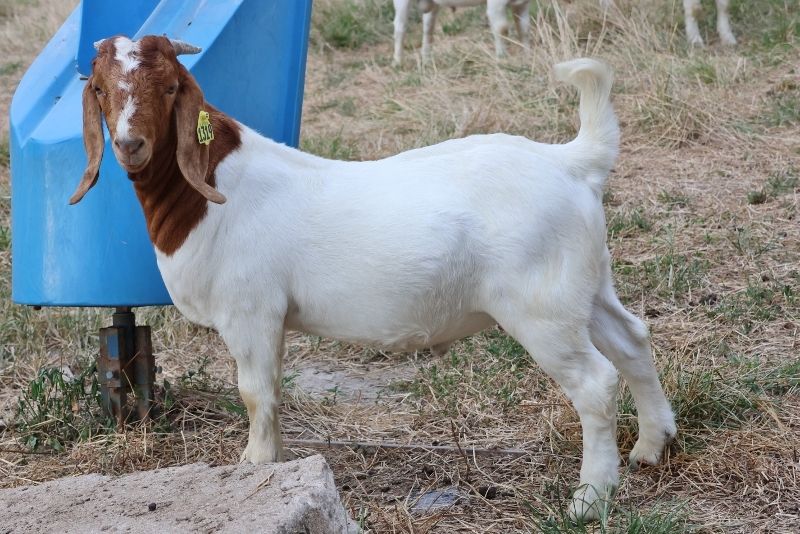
(702, 210)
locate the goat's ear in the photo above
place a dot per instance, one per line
(93, 141)
(192, 155)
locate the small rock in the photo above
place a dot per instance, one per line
(151, 507)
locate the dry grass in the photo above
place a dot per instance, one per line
(702, 210)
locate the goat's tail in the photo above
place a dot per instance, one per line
(593, 152)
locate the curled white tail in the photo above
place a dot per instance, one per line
(595, 150)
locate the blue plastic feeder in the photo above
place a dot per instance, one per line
(97, 253)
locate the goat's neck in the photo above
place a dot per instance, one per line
(173, 208)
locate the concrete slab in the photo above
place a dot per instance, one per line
(288, 498)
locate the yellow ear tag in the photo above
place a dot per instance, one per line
(205, 134)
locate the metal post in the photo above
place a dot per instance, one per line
(126, 365)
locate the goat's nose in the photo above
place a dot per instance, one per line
(129, 146)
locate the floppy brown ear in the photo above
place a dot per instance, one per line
(191, 154)
(93, 141)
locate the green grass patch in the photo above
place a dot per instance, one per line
(5, 154)
(628, 223)
(673, 199)
(669, 275)
(10, 68)
(490, 367)
(616, 518)
(334, 147)
(759, 302)
(350, 24)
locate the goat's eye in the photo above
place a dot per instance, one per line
(172, 89)
(99, 91)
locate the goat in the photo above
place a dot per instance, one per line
(254, 238)
(495, 11)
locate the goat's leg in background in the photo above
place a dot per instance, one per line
(691, 9)
(522, 20)
(724, 23)
(401, 8)
(428, 27)
(258, 346)
(562, 348)
(624, 340)
(498, 22)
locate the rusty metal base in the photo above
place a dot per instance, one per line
(126, 365)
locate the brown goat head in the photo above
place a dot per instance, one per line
(150, 102)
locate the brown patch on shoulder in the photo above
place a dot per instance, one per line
(172, 207)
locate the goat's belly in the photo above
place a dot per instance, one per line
(390, 332)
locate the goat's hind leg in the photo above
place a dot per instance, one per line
(258, 352)
(522, 20)
(624, 340)
(562, 348)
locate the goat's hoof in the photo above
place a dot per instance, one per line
(649, 452)
(727, 39)
(587, 505)
(260, 455)
(696, 42)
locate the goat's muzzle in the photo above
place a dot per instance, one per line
(132, 153)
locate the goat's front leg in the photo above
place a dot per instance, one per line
(401, 8)
(691, 9)
(258, 350)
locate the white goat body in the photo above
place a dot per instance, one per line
(414, 250)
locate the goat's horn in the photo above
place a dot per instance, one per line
(98, 44)
(182, 47)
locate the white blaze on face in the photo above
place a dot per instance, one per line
(127, 56)
(124, 120)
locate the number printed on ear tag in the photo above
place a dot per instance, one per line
(205, 134)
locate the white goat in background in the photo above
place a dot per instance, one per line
(520, 9)
(495, 11)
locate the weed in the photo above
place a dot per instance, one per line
(783, 182)
(625, 224)
(5, 154)
(756, 197)
(703, 71)
(10, 68)
(57, 409)
(748, 243)
(5, 238)
(674, 199)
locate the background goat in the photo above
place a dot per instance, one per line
(495, 10)
(407, 252)
(520, 9)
